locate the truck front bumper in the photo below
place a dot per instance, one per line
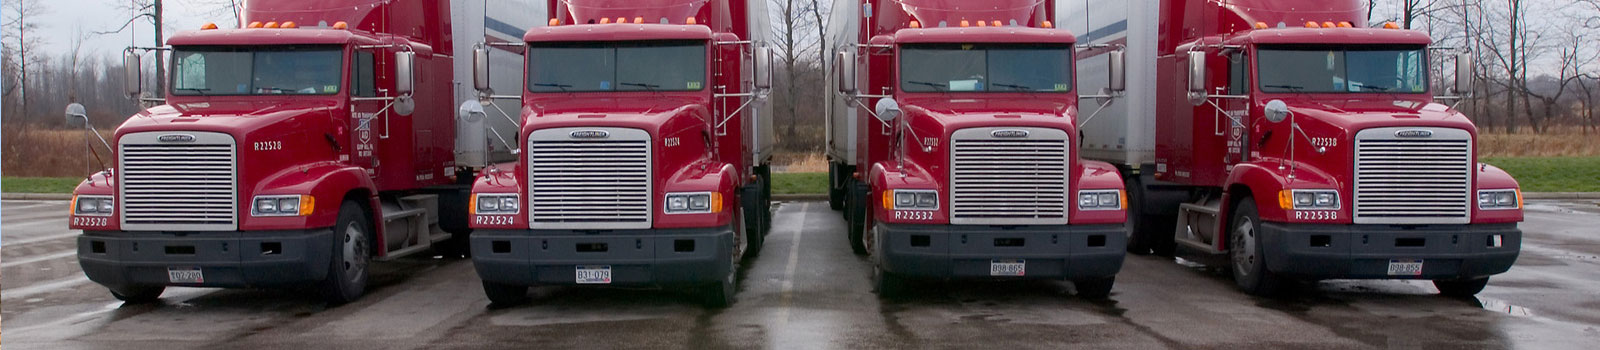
(120, 259)
(1311, 251)
(1071, 252)
(644, 257)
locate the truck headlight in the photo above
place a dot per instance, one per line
(289, 205)
(1499, 199)
(693, 202)
(911, 200)
(1308, 199)
(1101, 200)
(495, 203)
(93, 205)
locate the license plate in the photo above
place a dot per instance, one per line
(594, 274)
(190, 275)
(1008, 267)
(1405, 267)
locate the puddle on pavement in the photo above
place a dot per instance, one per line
(1502, 306)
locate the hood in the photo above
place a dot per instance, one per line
(237, 117)
(647, 111)
(959, 112)
(1362, 112)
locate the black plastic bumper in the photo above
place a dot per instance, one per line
(1364, 251)
(645, 257)
(226, 259)
(1072, 252)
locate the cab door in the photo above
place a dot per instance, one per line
(1234, 114)
(366, 107)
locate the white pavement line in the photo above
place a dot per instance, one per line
(50, 286)
(794, 262)
(38, 258)
(41, 239)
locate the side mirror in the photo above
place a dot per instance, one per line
(480, 68)
(404, 72)
(763, 68)
(1118, 81)
(77, 116)
(1464, 73)
(1277, 111)
(847, 71)
(887, 109)
(130, 71)
(1197, 72)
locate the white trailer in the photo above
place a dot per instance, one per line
(1122, 133)
(491, 21)
(841, 114)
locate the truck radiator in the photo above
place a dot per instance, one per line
(177, 181)
(1009, 176)
(589, 178)
(1413, 176)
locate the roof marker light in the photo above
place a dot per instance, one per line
(916, 24)
(605, 21)
(1047, 24)
(289, 25)
(983, 24)
(341, 25)
(256, 24)
(555, 22)
(996, 23)
(1310, 24)
(1390, 25)
(271, 25)
(1345, 25)
(1261, 25)
(638, 20)
(208, 26)
(691, 20)
(1327, 24)
(621, 20)
(965, 23)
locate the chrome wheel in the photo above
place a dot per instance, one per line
(1244, 252)
(354, 244)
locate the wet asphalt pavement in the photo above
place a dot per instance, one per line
(807, 291)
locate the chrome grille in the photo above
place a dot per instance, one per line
(1009, 180)
(186, 183)
(1413, 179)
(580, 180)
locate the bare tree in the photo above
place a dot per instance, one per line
(21, 35)
(794, 43)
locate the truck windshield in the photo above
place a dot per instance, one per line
(256, 70)
(986, 68)
(1342, 69)
(676, 65)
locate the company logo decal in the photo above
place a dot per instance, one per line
(1009, 133)
(1413, 133)
(175, 138)
(590, 134)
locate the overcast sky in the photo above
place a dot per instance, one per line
(89, 16)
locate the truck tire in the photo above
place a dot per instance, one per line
(1148, 233)
(752, 235)
(138, 294)
(720, 294)
(887, 284)
(1246, 255)
(1461, 288)
(347, 270)
(765, 207)
(1098, 288)
(453, 220)
(503, 295)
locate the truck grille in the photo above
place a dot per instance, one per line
(1009, 176)
(589, 178)
(1413, 176)
(185, 183)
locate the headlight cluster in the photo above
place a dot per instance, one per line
(1499, 199)
(93, 205)
(1308, 199)
(290, 205)
(495, 203)
(693, 202)
(1100, 200)
(912, 200)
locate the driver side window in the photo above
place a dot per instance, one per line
(363, 81)
(1238, 74)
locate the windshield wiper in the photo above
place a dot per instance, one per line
(651, 87)
(563, 87)
(1014, 87)
(1370, 87)
(1286, 87)
(201, 91)
(939, 86)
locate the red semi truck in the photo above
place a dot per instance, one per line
(963, 164)
(1285, 140)
(645, 151)
(317, 137)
